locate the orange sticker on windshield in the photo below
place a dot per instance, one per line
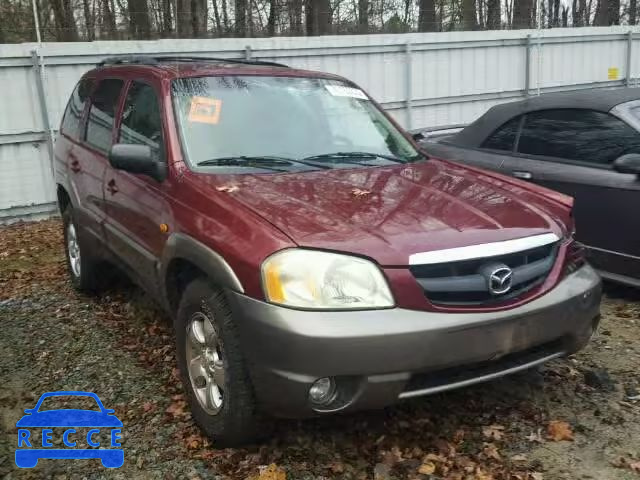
(205, 110)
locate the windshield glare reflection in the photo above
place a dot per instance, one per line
(294, 118)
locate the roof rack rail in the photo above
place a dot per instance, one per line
(128, 60)
(218, 59)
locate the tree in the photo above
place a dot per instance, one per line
(66, 30)
(633, 11)
(295, 17)
(274, 13)
(614, 12)
(522, 13)
(108, 23)
(469, 20)
(493, 14)
(363, 16)
(89, 20)
(318, 17)
(139, 25)
(427, 16)
(607, 13)
(241, 18)
(199, 18)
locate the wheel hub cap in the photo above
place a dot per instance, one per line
(204, 362)
(73, 249)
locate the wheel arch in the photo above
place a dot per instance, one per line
(185, 259)
(63, 198)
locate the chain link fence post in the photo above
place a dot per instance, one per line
(409, 84)
(42, 102)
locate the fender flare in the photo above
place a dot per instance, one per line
(181, 246)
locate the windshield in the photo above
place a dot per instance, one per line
(239, 120)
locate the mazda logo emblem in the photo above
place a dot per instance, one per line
(500, 279)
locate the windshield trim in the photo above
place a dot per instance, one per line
(193, 167)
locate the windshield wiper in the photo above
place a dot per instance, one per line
(265, 162)
(348, 157)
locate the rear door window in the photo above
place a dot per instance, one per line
(577, 135)
(504, 137)
(141, 120)
(104, 103)
(75, 108)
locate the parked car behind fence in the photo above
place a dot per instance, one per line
(585, 144)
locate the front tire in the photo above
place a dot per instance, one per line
(213, 369)
(81, 266)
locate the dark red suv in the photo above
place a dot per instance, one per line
(313, 259)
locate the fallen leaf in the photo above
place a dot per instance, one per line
(336, 467)
(480, 475)
(427, 468)
(271, 472)
(536, 476)
(634, 466)
(491, 451)
(535, 436)
(432, 457)
(557, 430)
(521, 457)
(176, 409)
(493, 432)
(193, 442)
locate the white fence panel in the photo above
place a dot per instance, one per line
(423, 79)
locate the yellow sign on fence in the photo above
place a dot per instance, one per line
(613, 73)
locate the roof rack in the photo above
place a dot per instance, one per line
(154, 60)
(220, 60)
(128, 59)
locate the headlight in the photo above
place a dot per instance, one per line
(315, 279)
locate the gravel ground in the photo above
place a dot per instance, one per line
(576, 418)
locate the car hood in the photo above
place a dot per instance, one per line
(389, 213)
(69, 418)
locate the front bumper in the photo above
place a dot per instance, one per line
(380, 356)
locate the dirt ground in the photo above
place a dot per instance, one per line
(576, 418)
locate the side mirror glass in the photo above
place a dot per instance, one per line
(629, 163)
(137, 159)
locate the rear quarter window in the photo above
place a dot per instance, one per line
(504, 137)
(75, 108)
(586, 136)
(102, 112)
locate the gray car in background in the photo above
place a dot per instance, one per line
(585, 144)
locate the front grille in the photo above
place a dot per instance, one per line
(465, 282)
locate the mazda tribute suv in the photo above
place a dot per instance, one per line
(312, 258)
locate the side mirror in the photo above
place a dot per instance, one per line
(29, 411)
(137, 159)
(418, 136)
(629, 163)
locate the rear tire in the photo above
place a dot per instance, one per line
(213, 370)
(82, 267)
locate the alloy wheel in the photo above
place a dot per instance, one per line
(204, 363)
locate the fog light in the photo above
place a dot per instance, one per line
(322, 391)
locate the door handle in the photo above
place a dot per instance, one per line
(521, 174)
(111, 187)
(75, 165)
